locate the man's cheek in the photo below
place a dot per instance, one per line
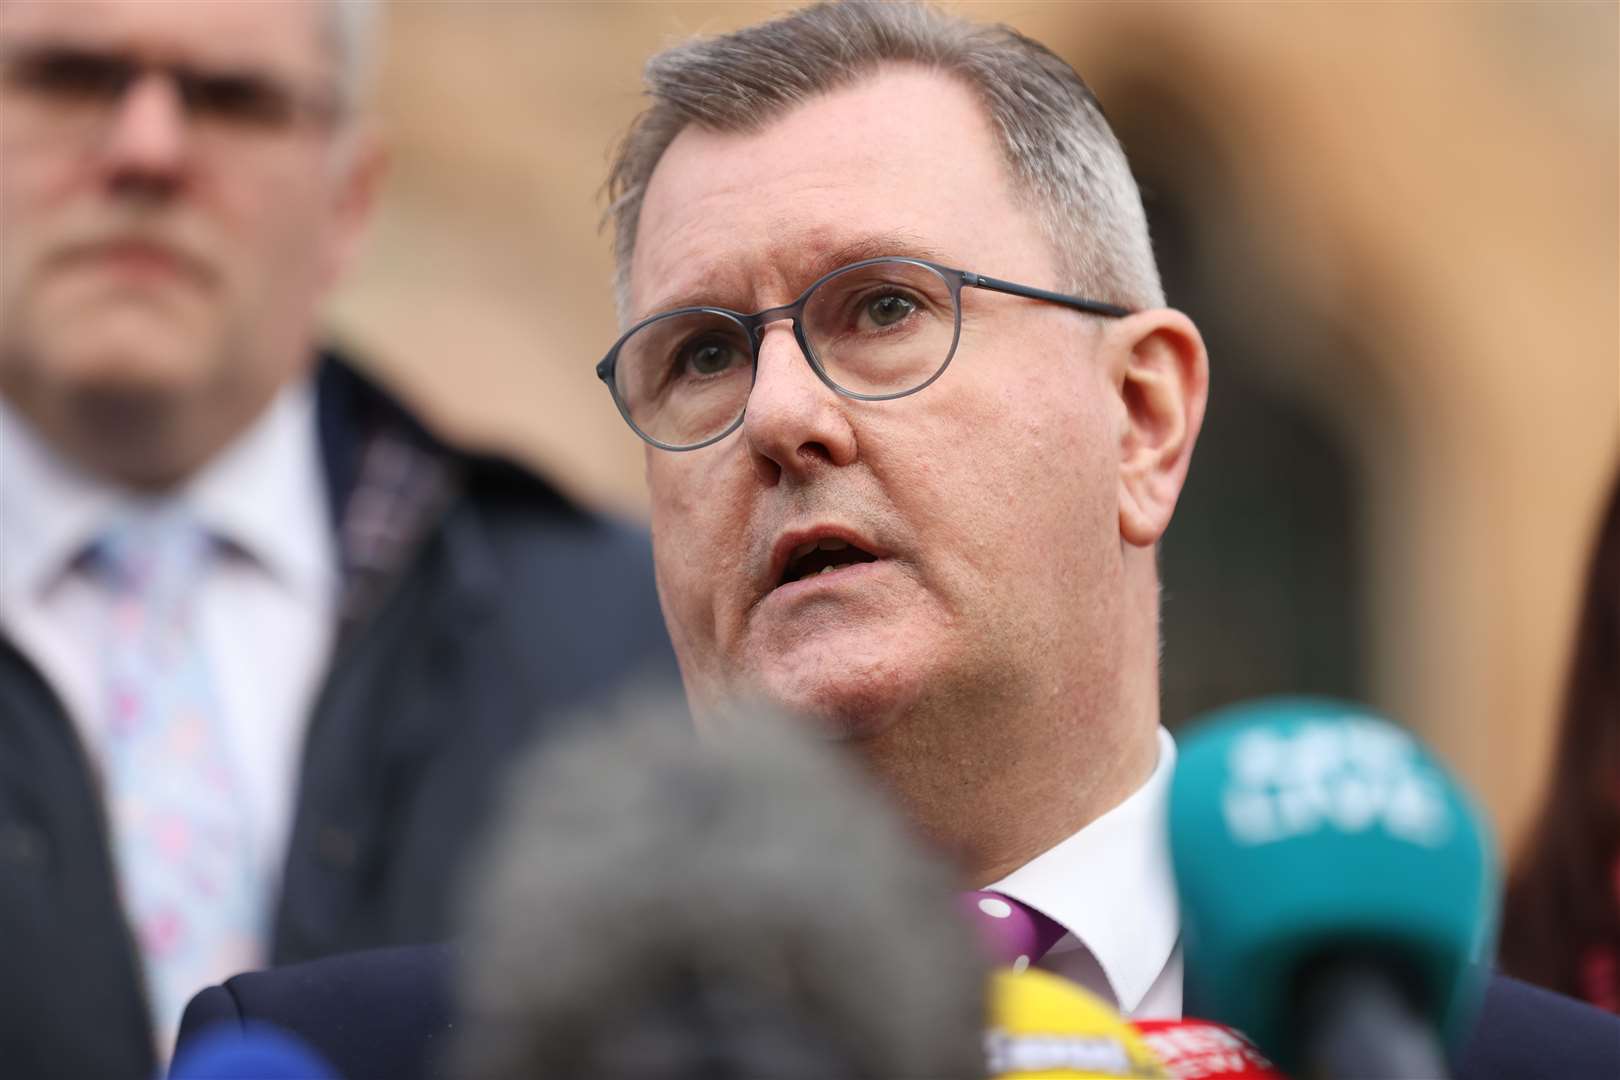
(685, 589)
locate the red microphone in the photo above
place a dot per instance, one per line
(1203, 1050)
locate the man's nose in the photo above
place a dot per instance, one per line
(146, 141)
(794, 422)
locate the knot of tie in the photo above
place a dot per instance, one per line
(1013, 933)
(152, 557)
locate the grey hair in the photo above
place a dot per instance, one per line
(655, 906)
(352, 32)
(1064, 158)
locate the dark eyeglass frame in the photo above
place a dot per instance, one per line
(245, 99)
(754, 325)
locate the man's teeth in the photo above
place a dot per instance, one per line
(829, 543)
(805, 560)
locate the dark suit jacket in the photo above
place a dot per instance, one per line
(505, 610)
(388, 1013)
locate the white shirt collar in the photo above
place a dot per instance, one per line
(1111, 886)
(264, 493)
(50, 510)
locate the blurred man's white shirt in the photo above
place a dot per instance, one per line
(1111, 886)
(267, 607)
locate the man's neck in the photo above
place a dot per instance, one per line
(1046, 812)
(992, 805)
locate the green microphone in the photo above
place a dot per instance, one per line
(1338, 888)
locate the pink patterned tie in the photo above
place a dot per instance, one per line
(1013, 933)
(180, 833)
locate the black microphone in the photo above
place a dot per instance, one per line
(659, 908)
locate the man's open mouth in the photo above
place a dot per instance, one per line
(822, 557)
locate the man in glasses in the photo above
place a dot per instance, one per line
(265, 639)
(916, 418)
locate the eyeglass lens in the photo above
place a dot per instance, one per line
(876, 330)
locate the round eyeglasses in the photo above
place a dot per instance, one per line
(873, 330)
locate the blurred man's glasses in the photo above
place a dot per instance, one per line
(70, 91)
(872, 330)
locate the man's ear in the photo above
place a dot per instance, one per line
(1161, 373)
(362, 166)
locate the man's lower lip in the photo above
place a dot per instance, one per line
(136, 263)
(825, 579)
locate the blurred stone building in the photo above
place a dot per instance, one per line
(1396, 225)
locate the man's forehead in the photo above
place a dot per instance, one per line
(903, 162)
(221, 32)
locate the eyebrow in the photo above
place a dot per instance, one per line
(902, 245)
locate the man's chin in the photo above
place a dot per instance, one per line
(849, 706)
(851, 725)
(129, 410)
(134, 353)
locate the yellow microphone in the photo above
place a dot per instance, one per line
(1043, 1027)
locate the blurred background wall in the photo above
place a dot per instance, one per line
(1396, 224)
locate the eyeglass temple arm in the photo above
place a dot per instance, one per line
(1095, 307)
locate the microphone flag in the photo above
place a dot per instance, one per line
(1203, 1050)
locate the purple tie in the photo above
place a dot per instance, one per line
(1013, 933)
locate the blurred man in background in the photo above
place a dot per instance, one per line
(265, 638)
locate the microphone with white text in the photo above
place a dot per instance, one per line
(654, 907)
(1044, 1027)
(250, 1052)
(1338, 889)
